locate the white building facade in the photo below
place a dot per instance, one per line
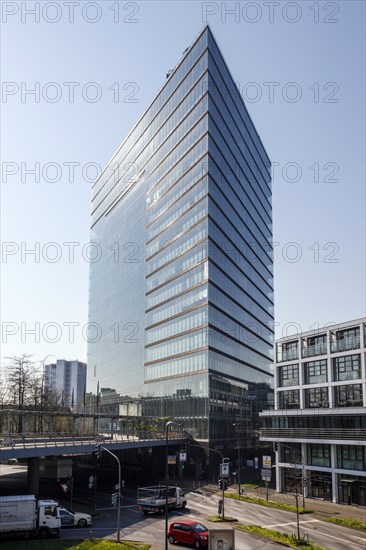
(69, 379)
(318, 424)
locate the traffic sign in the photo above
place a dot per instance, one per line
(266, 474)
(224, 469)
(267, 462)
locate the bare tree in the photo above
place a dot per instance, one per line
(23, 388)
(4, 390)
(19, 375)
(295, 486)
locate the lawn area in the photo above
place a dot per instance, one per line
(58, 544)
(346, 522)
(216, 519)
(269, 503)
(259, 483)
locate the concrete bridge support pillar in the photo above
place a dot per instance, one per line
(33, 476)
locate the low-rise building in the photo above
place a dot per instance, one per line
(318, 425)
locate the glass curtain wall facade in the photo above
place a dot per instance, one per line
(182, 297)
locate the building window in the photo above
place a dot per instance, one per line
(316, 345)
(288, 375)
(351, 457)
(289, 399)
(347, 368)
(316, 397)
(315, 372)
(344, 340)
(320, 485)
(287, 351)
(319, 455)
(290, 453)
(348, 396)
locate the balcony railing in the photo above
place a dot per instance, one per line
(314, 433)
(346, 344)
(288, 355)
(317, 349)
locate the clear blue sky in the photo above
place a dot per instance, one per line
(321, 51)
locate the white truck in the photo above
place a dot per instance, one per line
(27, 516)
(152, 499)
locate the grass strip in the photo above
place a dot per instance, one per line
(217, 519)
(62, 544)
(269, 503)
(276, 536)
(347, 522)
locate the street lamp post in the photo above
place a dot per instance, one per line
(167, 425)
(237, 426)
(98, 446)
(223, 485)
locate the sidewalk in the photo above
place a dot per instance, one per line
(322, 508)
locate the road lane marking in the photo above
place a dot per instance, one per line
(320, 532)
(344, 540)
(290, 523)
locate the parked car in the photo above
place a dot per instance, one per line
(189, 532)
(74, 518)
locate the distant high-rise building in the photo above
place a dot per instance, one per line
(69, 379)
(181, 298)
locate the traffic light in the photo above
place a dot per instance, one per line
(98, 451)
(275, 446)
(223, 484)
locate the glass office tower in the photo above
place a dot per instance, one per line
(181, 296)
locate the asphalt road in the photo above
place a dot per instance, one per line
(151, 529)
(136, 526)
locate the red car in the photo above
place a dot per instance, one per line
(189, 532)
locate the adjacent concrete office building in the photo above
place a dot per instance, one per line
(68, 378)
(320, 412)
(182, 295)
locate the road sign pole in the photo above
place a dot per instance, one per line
(223, 492)
(95, 493)
(71, 482)
(266, 482)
